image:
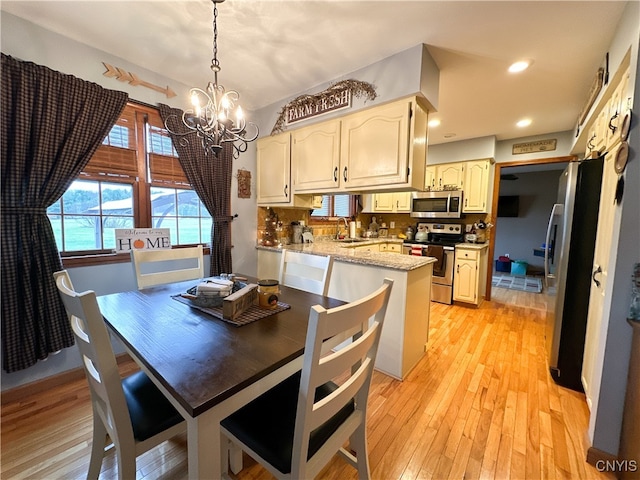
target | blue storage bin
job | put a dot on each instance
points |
(518, 267)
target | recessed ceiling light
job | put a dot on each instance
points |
(434, 123)
(525, 122)
(519, 66)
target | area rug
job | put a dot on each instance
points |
(517, 282)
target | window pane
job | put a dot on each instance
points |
(188, 203)
(82, 233)
(118, 137)
(324, 211)
(341, 206)
(205, 229)
(109, 226)
(188, 230)
(163, 201)
(82, 197)
(117, 199)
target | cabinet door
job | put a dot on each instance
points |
(617, 110)
(375, 146)
(591, 370)
(450, 174)
(274, 169)
(402, 202)
(315, 157)
(465, 285)
(383, 202)
(476, 186)
(430, 177)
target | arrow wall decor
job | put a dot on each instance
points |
(123, 76)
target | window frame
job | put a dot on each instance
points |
(141, 183)
(353, 211)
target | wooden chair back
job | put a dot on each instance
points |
(352, 364)
(132, 413)
(157, 267)
(98, 359)
(307, 272)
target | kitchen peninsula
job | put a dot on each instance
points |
(358, 271)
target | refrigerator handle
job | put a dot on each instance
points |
(556, 210)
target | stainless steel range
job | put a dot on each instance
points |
(438, 240)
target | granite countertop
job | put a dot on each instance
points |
(473, 246)
(347, 252)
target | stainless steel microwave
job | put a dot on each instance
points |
(440, 204)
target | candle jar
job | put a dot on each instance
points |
(268, 291)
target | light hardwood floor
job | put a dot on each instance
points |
(480, 404)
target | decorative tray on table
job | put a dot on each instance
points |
(233, 303)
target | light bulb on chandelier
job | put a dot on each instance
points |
(213, 110)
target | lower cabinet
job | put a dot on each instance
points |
(469, 278)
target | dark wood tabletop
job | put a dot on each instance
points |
(198, 358)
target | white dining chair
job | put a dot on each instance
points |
(307, 272)
(131, 412)
(295, 428)
(157, 267)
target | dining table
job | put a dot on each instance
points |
(206, 367)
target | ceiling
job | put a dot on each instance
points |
(272, 50)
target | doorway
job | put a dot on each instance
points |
(505, 171)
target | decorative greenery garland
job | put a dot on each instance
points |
(358, 89)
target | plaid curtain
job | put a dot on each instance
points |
(52, 124)
(210, 177)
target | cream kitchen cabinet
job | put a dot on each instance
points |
(469, 278)
(478, 186)
(384, 147)
(315, 158)
(618, 108)
(450, 174)
(274, 173)
(392, 202)
(391, 247)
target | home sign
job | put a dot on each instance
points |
(128, 239)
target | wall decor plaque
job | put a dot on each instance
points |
(536, 146)
(335, 97)
(128, 239)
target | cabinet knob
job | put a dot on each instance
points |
(335, 174)
(344, 174)
(286, 190)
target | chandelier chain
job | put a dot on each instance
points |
(216, 118)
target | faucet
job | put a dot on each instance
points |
(346, 224)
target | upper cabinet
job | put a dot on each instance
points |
(315, 157)
(380, 148)
(478, 186)
(445, 174)
(273, 157)
(390, 202)
(618, 109)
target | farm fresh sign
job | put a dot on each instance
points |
(142, 239)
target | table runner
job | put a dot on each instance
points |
(252, 314)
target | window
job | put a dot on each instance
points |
(336, 206)
(133, 180)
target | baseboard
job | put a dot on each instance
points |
(45, 384)
(603, 461)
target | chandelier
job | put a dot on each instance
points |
(215, 118)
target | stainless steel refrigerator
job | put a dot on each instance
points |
(569, 248)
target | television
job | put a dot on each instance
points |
(508, 205)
